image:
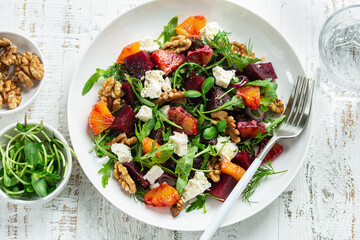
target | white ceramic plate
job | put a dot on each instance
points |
(24, 44)
(148, 20)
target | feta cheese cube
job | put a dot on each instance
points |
(228, 148)
(153, 84)
(210, 30)
(154, 173)
(148, 45)
(181, 139)
(166, 85)
(144, 114)
(223, 77)
(195, 186)
(122, 151)
(155, 185)
(165, 110)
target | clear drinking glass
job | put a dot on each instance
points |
(339, 47)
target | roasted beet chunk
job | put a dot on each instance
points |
(125, 120)
(274, 152)
(223, 188)
(215, 102)
(259, 71)
(182, 118)
(201, 56)
(194, 82)
(134, 169)
(139, 63)
(243, 159)
(156, 135)
(211, 141)
(250, 129)
(197, 163)
(130, 96)
(167, 61)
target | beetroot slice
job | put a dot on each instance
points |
(130, 96)
(274, 152)
(223, 188)
(215, 100)
(243, 159)
(134, 169)
(194, 82)
(260, 71)
(139, 63)
(125, 120)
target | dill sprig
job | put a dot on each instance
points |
(139, 194)
(261, 173)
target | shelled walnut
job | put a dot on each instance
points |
(177, 44)
(177, 208)
(10, 94)
(230, 129)
(8, 56)
(242, 49)
(172, 96)
(214, 164)
(4, 42)
(121, 138)
(278, 108)
(122, 174)
(111, 93)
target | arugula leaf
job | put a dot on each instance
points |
(199, 203)
(169, 29)
(229, 104)
(141, 99)
(183, 168)
(117, 71)
(242, 62)
(276, 122)
(146, 129)
(267, 86)
(106, 170)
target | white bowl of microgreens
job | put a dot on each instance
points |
(35, 162)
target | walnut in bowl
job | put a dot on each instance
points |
(22, 72)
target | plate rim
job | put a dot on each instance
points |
(309, 124)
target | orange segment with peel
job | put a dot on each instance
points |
(191, 26)
(232, 169)
(147, 144)
(100, 118)
(162, 196)
(250, 95)
(127, 51)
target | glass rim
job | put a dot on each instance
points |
(333, 76)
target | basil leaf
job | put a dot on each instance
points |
(183, 168)
(90, 83)
(31, 154)
(192, 94)
(210, 132)
(221, 125)
(40, 186)
(207, 85)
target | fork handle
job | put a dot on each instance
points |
(236, 192)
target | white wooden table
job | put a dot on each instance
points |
(321, 203)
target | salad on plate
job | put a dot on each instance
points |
(181, 118)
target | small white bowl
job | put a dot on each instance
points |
(24, 44)
(9, 130)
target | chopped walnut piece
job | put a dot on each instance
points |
(278, 108)
(122, 174)
(36, 68)
(231, 129)
(4, 68)
(214, 164)
(177, 44)
(4, 42)
(123, 139)
(24, 79)
(241, 48)
(10, 94)
(111, 93)
(8, 56)
(177, 208)
(172, 96)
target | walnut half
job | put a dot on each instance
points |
(172, 96)
(177, 44)
(278, 108)
(231, 129)
(122, 174)
(10, 94)
(123, 139)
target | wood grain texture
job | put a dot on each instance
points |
(321, 202)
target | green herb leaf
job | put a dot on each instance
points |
(199, 203)
(207, 85)
(40, 186)
(106, 170)
(183, 168)
(90, 83)
(275, 123)
(31, 154)
(210, 132)
(169, 29)
(141, 99)
(22, 128)
(229, 104)
(146, 129)
(221, 125)
(192, 94)
(242, 62)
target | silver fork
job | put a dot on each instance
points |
(297, 114)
